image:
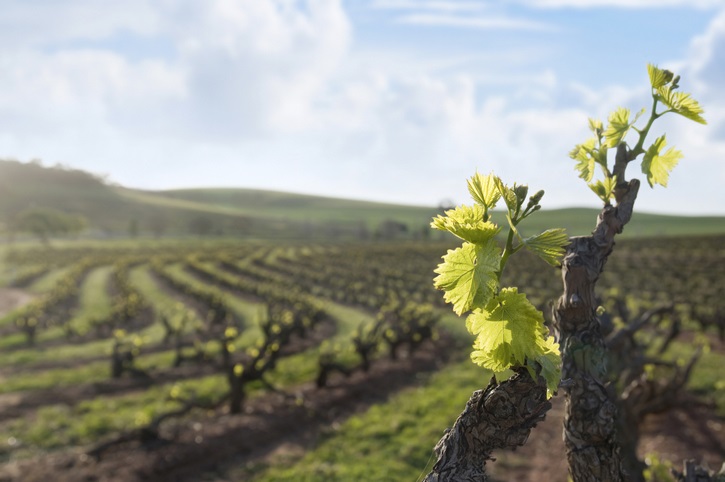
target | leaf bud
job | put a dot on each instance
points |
(521, 192)
(676, 82)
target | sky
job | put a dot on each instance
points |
(388, 100)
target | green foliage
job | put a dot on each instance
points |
(656, 164)
(605, 188)
(657, 470)
(506, 330)
(467, 222)
(548, 245)
(619, 125)
(45, 222)
(681, 103)
(509, 330)
(406, 426)
(484, 191)
(468, 275)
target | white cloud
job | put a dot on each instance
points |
(259, 66)
(440, 5)
(275, 94)
(626, 4)
(243, 68)
(480, 22)
(478, 15)
(48, 22)
(706, 61)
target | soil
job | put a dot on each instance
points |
(277, 425)
(206, 445)
(11, 298)
(695, 432)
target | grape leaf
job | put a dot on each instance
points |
(549, 245)
(658, 77)
(467, 223)
(657, 165)
(468, 274)
(497, 360)
(604, 189)
(681, 103)
(618, 127)
(483, 190)
(508, 195)
(584, 155)
(507, 330)
(596, 126)
(549, 358)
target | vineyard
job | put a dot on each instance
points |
(228, 361)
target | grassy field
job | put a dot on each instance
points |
(62, 401)
(114, 211)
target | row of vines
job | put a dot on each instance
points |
(179, 343)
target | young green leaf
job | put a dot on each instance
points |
(657, 165)
(618, 126)
(681, 103)
(507, 330)
(584, 155)
(596, 126)
(509, 196)
(549, 245)
(658, 77)
(468, 275)
(467, 223)
(483, 190)
(604, 189)
(549, 358)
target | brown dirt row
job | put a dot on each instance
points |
(688, 432)
(12, 298)
(205, 444)
(13, 405)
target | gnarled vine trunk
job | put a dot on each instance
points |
(590, 428)
(501, 416)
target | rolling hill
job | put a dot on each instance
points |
(112, 210)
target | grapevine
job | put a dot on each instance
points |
(510, 331)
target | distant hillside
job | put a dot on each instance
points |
(119, 211)
(295, 208)
(105, 207)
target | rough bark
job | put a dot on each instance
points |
(501, 416)
(590, 432)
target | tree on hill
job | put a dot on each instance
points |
(46, 222)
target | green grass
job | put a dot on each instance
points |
(707, 375)
(246, 310)
(94, 302)
(389, 442)
(56, 377)
(58, 425)
(30, 356)
(300, 207)
(47, 282)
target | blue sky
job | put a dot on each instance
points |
(390, 100)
